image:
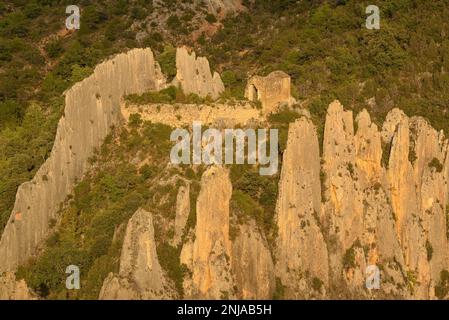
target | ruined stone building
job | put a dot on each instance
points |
(272, 91)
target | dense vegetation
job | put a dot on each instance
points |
(169, 95)
(329, 53)
(36, 66)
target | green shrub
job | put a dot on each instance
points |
(245, 205)
(281, 121)
(254, 196)
(284, 116)
(386, 150)
(279, 292)
(211, 18)
(167, 61)
(148, 172)
(317, 284)
(442, 289)
(135, 120)
(350, 255)
(169, 260)
(80, 73)
(412, 280)
(54, 48)
(436, 164)
(138, 13)
(173, 22)
(168, 95)
(429, 250)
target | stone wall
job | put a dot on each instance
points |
(181, 115)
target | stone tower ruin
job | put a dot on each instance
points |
(272, 91)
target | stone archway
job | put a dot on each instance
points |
(253, 93)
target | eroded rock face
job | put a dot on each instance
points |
(379, 239)
(252, 264)
(209, 256)
(11, 289)
(386, 213)
(374, 197)
(301, 253)
(182, 212)
(404, 198)
(431, 182)
(194, 75)
(140, 276)
(91, 108)
(343, 205)
(383, 205)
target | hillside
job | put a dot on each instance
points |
(357, 185)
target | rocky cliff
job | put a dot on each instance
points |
(390, 213)
(194, 75)
(140, 276)
(221, 267)
(375, 197)
(92, 107)
(301, 250)
(10, 289)
(208, 255)
(361, 195)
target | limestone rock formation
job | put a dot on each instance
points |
(377, 197)
(11, 289)
(419, 184)
(252, 264)
(374, 197)
(301, 253)
(383, 204)
(379, 239)
(140, 276)
(431, 183)
(387, 213)
(182, 213)
(343, 207)
(208, 257)
(194, 75)
(404, 200)
(272, 91)
(91, 108)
